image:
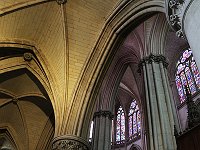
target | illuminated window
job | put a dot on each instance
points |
(187, 74)
(91, 131)
(120, 125)
(134, 120)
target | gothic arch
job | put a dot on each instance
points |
(108, 43)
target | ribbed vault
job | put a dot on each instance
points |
(26, 109)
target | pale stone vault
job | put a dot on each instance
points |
(63, 63)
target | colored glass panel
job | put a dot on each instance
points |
(190, 80)
(196, 74)
(138, 120)
(181, 67)
(186, 54)
(120, 125)
(134, 123)
(183, 79)
(187, 75)
(130, 121)
(134, 120)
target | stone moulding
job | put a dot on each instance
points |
(69, 142)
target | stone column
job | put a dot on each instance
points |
(183, 16)
(69, 142)
(159, 107)
(102, 130)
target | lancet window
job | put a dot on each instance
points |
(120, 125)
(134, 120)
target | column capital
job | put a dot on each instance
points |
(152, 58)
(70, 142)
(176, 10)
(104, 113)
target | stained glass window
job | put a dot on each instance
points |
(120, 126)
(134, 120)
(187, 74)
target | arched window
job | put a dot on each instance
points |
(120, 125)
(134, 120)
(187, 74)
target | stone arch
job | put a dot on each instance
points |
(108, 42)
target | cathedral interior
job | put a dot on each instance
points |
(99, 75)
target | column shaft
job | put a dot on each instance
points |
(102, 131)
(150, 134)
(159, 107)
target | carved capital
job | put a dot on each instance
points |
(104, 113)
(154, 58)
(61, 1)
(70, 142)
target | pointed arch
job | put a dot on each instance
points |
(124, 18)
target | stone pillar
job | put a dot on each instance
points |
(183, 16)
(69, 142)
(102, 130)
(159, 105)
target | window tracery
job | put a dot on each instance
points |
(134, 120)
(128, 126)
(187, 74)
(120, 125)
